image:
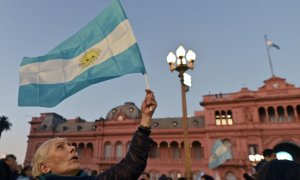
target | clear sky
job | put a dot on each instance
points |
(227, 36)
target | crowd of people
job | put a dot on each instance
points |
(56, 159)
(11, 170)
(272, 168)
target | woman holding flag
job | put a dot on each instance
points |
(57, 158)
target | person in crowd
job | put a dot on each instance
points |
(163, 177)
(145, 176)
(8, 167)
(280, 170)
(87, 171)
(26, 173)
(56, 159)
(248, 177)
(94, 172)
(182, 178)
(269, 154)
(18, 168)
(206, 177)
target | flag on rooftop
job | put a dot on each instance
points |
(271, 44)
(105, 48)
(220, 153)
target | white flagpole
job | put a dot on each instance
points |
(146, 79)
(269, 56)
(147, 85)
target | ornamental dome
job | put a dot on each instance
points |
(128, 110)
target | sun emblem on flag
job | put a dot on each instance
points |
(89, 57)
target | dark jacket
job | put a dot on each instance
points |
(260, 165)
(5, 172)
(130, 168)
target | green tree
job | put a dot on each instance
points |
(4, 124)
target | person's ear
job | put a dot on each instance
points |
(44, 168)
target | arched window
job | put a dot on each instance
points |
(262, 114)
(290, 113)
(163, 149)
(271, 113)
(119, 151)
(229, 118)
(223, 118)
(175, 150)
(281, 115)
(196, 150)
(154, 153)
(107, 151)
(217, 118)
(252, 149)
(181, 149)
(80, 149)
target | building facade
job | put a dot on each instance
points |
(246, 121)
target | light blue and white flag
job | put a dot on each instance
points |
(220, 153)
(105, 48)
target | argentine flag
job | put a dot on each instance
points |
(220, 153)
(104, 49)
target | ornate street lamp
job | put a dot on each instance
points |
(181, 63)
(255, 158)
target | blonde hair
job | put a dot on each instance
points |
(41, 155)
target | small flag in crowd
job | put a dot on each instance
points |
(220, 153)
(105, 48)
